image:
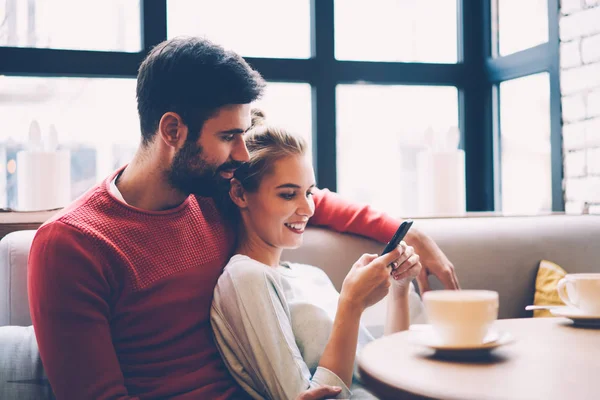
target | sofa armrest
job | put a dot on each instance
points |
(14, 302)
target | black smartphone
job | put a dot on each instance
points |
(398, 236)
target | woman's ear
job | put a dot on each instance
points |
(237, 193)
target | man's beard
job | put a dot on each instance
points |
(191, 174)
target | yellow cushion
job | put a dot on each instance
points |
(545, 287)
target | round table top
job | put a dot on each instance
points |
(549, 359)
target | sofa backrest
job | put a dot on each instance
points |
(492, 253)
(495, 253)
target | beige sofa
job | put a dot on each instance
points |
(497, 253)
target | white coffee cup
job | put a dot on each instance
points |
(581, 291)
(461, 317)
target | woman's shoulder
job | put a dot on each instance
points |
(305, 270)
(245, 269)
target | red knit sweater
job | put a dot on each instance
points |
(120, 297)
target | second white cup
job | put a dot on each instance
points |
(461, 317)
(581, 291)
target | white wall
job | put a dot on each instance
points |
(580, 89)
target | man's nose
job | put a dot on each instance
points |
(241, 151)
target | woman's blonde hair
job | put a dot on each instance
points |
(266, 144)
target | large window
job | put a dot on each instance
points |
(369, 85)
(513, 16)
(526, 183)
(393, 30)
(381, 131)
(524, 74)
(289, 105)
(257, 28)
(95, 119)
(107, 25)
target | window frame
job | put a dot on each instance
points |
(476, 75)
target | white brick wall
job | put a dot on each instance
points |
(594, 189)
(575, 80)
(574, 136)
(574, 207)
(574, 164)
(573, 108)
(579, 24)
(593, 104)
(580, 87)
(592, 133)
(569, 6)
(590, 48)
(587, 188)
(570, 54)
(593, 161)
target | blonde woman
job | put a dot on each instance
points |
(283, 328)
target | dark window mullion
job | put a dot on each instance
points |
(283, 69)
(72, 63)
(494, 42)
(323, 93)
(497, 146)
(477, 110)
(523, 63)
(556, 155)
(398, 73)
(153, 23)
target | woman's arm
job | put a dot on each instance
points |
(398, 312)
(252, 327)
(367, 282)
(339, 354)
(68, 297)
(341, 215)
(406, 268)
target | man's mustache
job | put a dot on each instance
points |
(229, 166)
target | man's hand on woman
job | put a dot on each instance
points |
(433, 260)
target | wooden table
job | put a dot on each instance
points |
(549, 359)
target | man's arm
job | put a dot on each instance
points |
(332, 211)
(69, 290)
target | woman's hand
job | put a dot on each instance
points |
(406, 267)
(369, 279)
(319, 393)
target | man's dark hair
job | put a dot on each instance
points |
(192, 77)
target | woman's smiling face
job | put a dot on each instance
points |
(278, 211)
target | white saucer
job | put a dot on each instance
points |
(426, 337)
(577, 316)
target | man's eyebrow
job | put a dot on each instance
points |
(232, 131)
(292, 186)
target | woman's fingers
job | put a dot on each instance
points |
(406, 252)
(387, 259)
(411, 273)
(408, 266)
(365, 259)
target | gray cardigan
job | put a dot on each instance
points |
(271, 326)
